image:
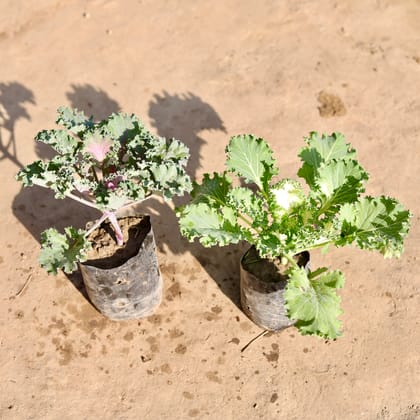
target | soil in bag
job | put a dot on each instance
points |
(270, 270)
(105, 252)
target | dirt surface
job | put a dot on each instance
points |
(203, 71)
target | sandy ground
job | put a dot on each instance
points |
(202, 71)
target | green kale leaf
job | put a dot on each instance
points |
(313, 302)
(63, 251)
(380, 223)
(251, 158)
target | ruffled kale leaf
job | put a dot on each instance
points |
(251, 158)
(331, 171)
(63, 251)
(73, 120)
(313, 303)
(379, 223)
(212, 226)
(320, 150)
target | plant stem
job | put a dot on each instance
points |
(114, 222)
(291, 260)
(107, 214)
(94, 173)
(265, 195)
(73, 197)
(249, 223)
(82, 200)
(322, 210)
(316, 246)
(245, 220)
(96, 224)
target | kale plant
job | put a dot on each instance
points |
(108, 165)
(281, 220)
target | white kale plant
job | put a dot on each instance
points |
(281, 220)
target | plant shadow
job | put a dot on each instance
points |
(92, 101)
(14, 98)
(185, 117)
(35, 207)
(181, 116)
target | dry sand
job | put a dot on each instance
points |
(202, 71)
